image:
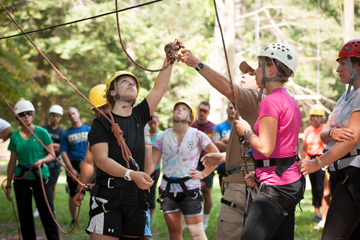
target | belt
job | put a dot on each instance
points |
(281, 163)
(113, 182)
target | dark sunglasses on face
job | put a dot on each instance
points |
(203, 111)
(25, 113)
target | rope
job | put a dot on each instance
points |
(80, 20)
(169, 48)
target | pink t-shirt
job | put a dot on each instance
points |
(280, 105)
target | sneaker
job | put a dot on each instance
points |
(320, 225)
(36, 212)
(316, 219)
(72, 224)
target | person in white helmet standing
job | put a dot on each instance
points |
(55, 114)
(26, 151)
(274, 146)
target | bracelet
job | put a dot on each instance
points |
(330, 133)
(251, 138)
(319, 161)
(203, 175)
(246, 132)
(8, 187)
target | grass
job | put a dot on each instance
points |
(303, 229)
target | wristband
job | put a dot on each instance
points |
(330, 133)
(319, 161)
(8, 187)
(81, 191)
(246, 132)
(203, 175)
(251, 138)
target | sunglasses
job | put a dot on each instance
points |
(203, 111)
(25, 113)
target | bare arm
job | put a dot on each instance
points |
(210, 148)
(155, 159)
(216, 80)
(56, 147)
(10, 173)
(211, 159)
(161, 84)
(216, 138)
(148, 161)
(265, 142)
(303, 150)
(100, 152)
(4, 133)
(48, 158)
(338, 150)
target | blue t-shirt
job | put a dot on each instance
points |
(74, 142)
(224, 130)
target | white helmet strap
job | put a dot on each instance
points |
(266, 79)
(352, 79)
(117, 97)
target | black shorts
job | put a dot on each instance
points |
(155, 177)
(186, 204)
(72, 185)
(54, 170)
(128, 220)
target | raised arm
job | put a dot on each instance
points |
(216, 80)
(161, 83)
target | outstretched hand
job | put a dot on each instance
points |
(188, 58)
(212, 159)
(308, 166)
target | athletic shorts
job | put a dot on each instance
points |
(72, 185)
(148, 224)
(186, 204)
(128, 220)
(209, 180)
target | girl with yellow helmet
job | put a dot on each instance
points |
(119, 197)
(179, 191)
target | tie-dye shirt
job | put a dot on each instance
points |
(179, 159)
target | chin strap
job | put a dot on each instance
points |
(117, 97)
(182, 121)
(352, 79)
(266, 79)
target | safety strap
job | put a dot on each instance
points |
(25, 169)
(240, 168)
(236, 206)
(282, 163)
(113, 182)
(352, 79)
(266, 79)
(193, 193)
(353, 187)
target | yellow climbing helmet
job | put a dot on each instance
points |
(189, 105)
(115, 76)
(317, 109)
(97, 95)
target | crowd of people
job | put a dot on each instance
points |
(255, 153)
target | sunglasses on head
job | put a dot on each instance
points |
(25, 113)
(203, 110)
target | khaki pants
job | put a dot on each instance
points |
(230, 222)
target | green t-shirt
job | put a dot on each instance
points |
(30, 151)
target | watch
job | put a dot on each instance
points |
(200, 66)
(127, 175)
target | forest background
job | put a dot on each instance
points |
(88, 52)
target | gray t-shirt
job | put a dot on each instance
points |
(3, 124)
(340, 118)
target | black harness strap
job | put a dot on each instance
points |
(25, 169)
(240, 168)
(237, 206)
(281, 163)
(181, 181)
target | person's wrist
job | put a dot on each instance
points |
(319, 161)
(331, 132)
(203, 175)
(8, 187)
(246, 132)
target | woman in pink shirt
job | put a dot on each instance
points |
(274, 147)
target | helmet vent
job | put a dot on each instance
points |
(356, 45)
(289, 56)
(347, 48)
(266, 48)
(272, 53)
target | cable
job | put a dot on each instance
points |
(80, 20)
